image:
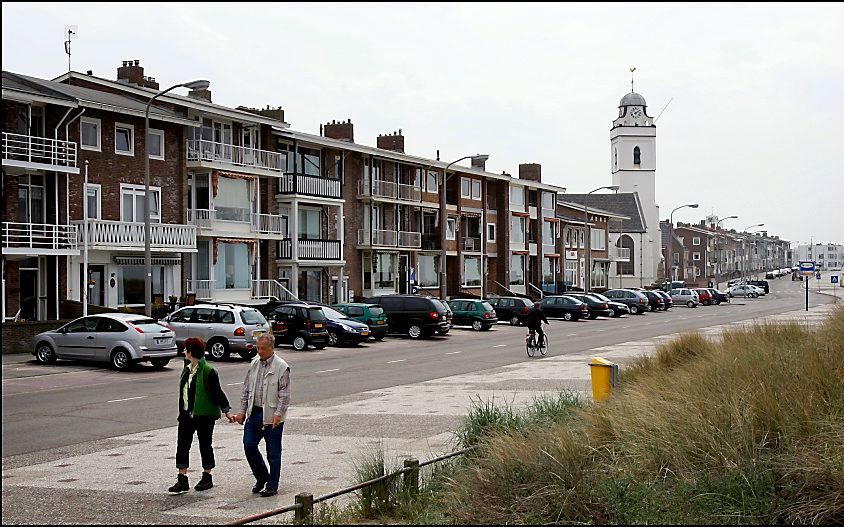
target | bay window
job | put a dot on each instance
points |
(517, 269)
(471, 272)
(233, 267)
(232, 201)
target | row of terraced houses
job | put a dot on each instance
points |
(244, 208)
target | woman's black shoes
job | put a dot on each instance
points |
(181, 485)
(205, 483)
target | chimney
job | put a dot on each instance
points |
(342, 131)
(272, 113)
(204, 94)
(530, 172)
(131, 72)
(394, 142)
(480, 164)
(149, 82)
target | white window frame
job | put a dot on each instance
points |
(436, 178)
(696, 257)
(468, 183)
(696, 240)
(480, 279)
(521, 192)
(490, 234)
(139, 189)
(131, 129)
(99, 124)
(451, 226)
(476, 184)
(98, 188)
(156, 131)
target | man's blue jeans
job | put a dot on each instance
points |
(253, 432)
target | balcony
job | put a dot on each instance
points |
(39, 239)
(389, 190)
(471, 244)
(267, 224)
(308, 185)
(409, 192)
(410, 239)
(311, 249)
(378, 237)
(202, 152)
(39, 153)
(122, 235)
(430, 242)
(206, 219)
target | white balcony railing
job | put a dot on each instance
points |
(409, 192)
(54, 154)
(202, 218)
(378, 237)
(271, 289)
(210, 151)
(267, 223)
(32, 237)
(202, 288)
(378, 189)
(410, 239)
(310, 185)
(121, 234)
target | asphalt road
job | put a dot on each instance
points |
(48, 407)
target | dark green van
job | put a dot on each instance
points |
(370, 314)
(476, 313)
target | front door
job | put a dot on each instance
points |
(28, 293)
(403, 276)
(96, 285)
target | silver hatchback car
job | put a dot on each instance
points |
(685, 296)
(225, 328)
(121, 339)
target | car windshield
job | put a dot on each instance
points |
(316, 314)
(334, 315)
(376, 311)
(600, 297)
(252, 316)
(148, 325)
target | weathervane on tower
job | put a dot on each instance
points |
(631, 78)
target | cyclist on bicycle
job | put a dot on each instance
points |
(534, 322)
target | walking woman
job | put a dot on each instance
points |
(201, 402)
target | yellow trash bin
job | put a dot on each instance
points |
(604, 377)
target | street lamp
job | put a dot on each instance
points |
(744, 249)
(193, 85)
(671, 241)
(718, 256)
(586, 272)
(444, 217)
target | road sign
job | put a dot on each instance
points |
(833, 279)
(818, 275)
(807, 268)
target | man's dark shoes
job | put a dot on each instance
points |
(258, 487)
(181, 485)
(266, 493)
(205, 483)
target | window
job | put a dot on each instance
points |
(132, 199)
(94, 200)
(130, 283)
(517, 230)
(465, 188)
(183, 315)
(155, 143)
(472, 272)
(428, 272)
(225, 317)
(232, 268)
(490, 232)
(549, 271)
(598, 239)
(517, 269)
(570, 276)
(233, 201)
(696, 240)
(89, 133)
(124, 139)
(637, 156)
(626, 268)
(547, 201)
(451, 229)
(571, 240)
(548, 234)
(581, 233)
(517, 197)
(695, 256)
(476, 189)
(433, 177)
(384, 275)
(83, 325)
(309, 224)
(355, 311)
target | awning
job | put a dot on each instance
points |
(520, 214)
(156, 260)
(552, 255)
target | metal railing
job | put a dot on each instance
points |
(204, 150)
(378, 189)
(410, 239)
(538, 290)
(378, 237)
(310, 185)
(202, 218)
(311, 249)
(271, 289)
(39, 236)
(472, 244)
(409, 192)
(108, 233)
(202, 288)
(267, 223)
(42, 150)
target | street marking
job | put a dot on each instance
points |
(499, 346)
(127, 399)
(326, 371)
(234, 383)
(392, 361)
(622, 327)
(454, 352)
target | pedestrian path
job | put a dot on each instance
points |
(322, 440)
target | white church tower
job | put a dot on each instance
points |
(633, 162)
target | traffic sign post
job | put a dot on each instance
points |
(807, 269)
(834, 280)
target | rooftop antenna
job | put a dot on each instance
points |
(72, 33)
(631, 78)
(663, 109)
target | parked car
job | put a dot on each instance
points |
(514, 309)
(596, 306)
(685, 296)
(745, 290)
(718, 296)
(761, 283)
(120, 339)
(635, 300)
(617, 308)
(297, 323)
(225, 328)
(370, 314)
(342, 329)
(655, 302)
(564, 307)
(417, 316)
(666, 299)
(470, 312)
(449, 316)
(669, 285)
(704, 295)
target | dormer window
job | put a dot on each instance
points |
(637, 156)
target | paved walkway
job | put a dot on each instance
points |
(322, 440)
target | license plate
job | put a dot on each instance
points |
(380, 322)
(162, 341)
(256, 334)
(364, 333)
(318, 326)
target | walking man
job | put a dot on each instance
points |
(263, 406)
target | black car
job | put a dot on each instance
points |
(618, 308)
(342, 329)
(761, 283)
(417, 316)
(597, 307)
(514, 309)
(655, 301)
(297, 323)
(564, 307)
(449, 315)
(666, 299)
(636, 301)
(718, 296)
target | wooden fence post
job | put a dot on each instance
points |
(307, 509)
(411, 477)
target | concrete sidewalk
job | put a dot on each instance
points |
(322, 440)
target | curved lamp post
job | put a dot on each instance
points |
(587, 275)
(744, 249)
(193, 85)
(444, 217)
(671, 242)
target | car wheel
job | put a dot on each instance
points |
(299, 343)
(120, 359)
(514, 321)
(690, 303)
(414, 331)
(716, 301)
(159, 363)
(248, 355)
(218, 349)
(567, 316)
(634, 310)
(477, 325)
(44, 353)
(332, 338)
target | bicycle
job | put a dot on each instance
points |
(531, 346)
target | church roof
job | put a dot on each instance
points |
(625, 204)
(632, 99)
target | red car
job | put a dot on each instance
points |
(704, 295)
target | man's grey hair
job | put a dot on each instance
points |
(266, 336)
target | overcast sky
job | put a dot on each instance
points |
(755, 128)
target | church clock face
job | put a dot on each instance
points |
(636, 112)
